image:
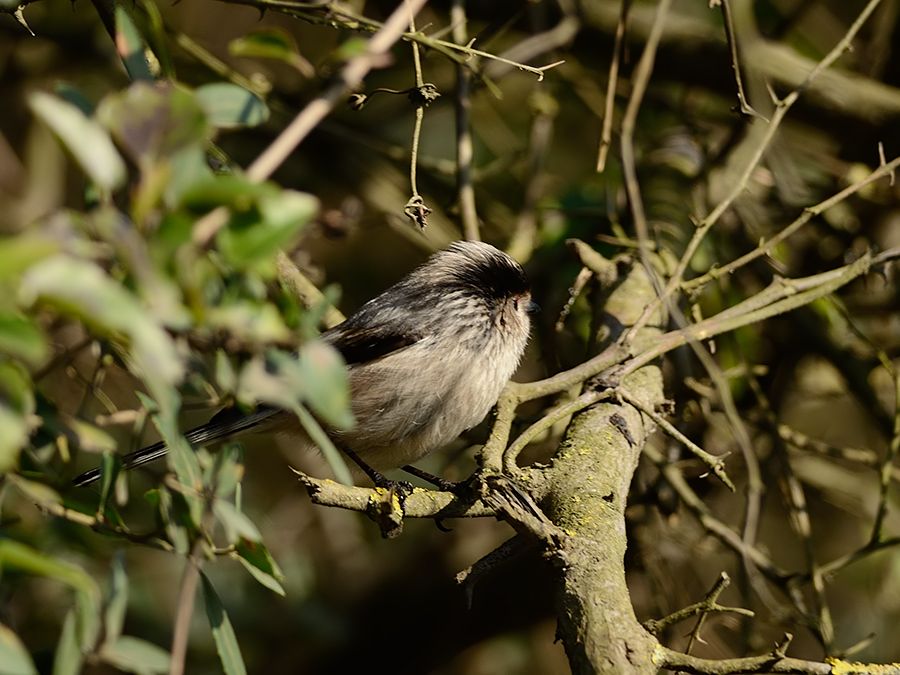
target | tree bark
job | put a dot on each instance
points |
(586, 498)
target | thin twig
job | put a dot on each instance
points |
(465, 191)
(331, 13)
(810, 212)
(187, 594)
(888, 466)
(701, 511)
(416, 209)
(305, 290)
(782, 296)
(801, 523)
(721, 584)
(524, 239)
(715, 464)
(708, 605)
(550, 418)
(743, 105)
(640, 80)
(612, 79)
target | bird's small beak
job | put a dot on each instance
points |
(531, 307)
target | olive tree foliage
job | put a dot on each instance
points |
(123, 278)
(677, 306)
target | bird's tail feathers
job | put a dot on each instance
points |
(224, 424)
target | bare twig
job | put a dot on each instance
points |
(795, 497)
(743, 105)
(629, 121)
(524, 239)
(416, 209)
(187, 594)
(341, 14)
(305, 290)
(773, 662)
(508, 550)
(888, 466)
(715, 464)
(553, 416)
(766, 247)
(710, 522)
(464, 188)
(612, 79)
(709, 604)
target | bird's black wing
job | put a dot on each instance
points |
(362, 344)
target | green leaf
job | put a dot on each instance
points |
(332, 455)
(20, 337)
(14, 659)
(68, 657)
(276, 380)
(223, 632)
(231, 190)
(175, 518)
(16, 388)
(187, 167)
(249, 321)
(249, 241)
(257, 560)
(288, 209)
(157, 38)
(89, 437)
(134, 655)
(88, 142)
(116, 606)
(355, 46)
(39, 493)
(154, 121)
(87, 593)
(271, 43)
(71, 94)
(327, 383)
(19, 253)
(183, 461)
(130, 46)
(109, 467)
(17, 406)
(226, 377)
(13, 437)
(228, 105)
(227, 469)
(84, 290)
(237, 525)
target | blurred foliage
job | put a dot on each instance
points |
(124, 124)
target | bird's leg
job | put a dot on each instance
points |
(387, 510)
(401, 487)
(437, 481)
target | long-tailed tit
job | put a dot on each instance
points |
(427, 360)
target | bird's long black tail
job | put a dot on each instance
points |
(226, 423)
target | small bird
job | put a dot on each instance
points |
(426, 359)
